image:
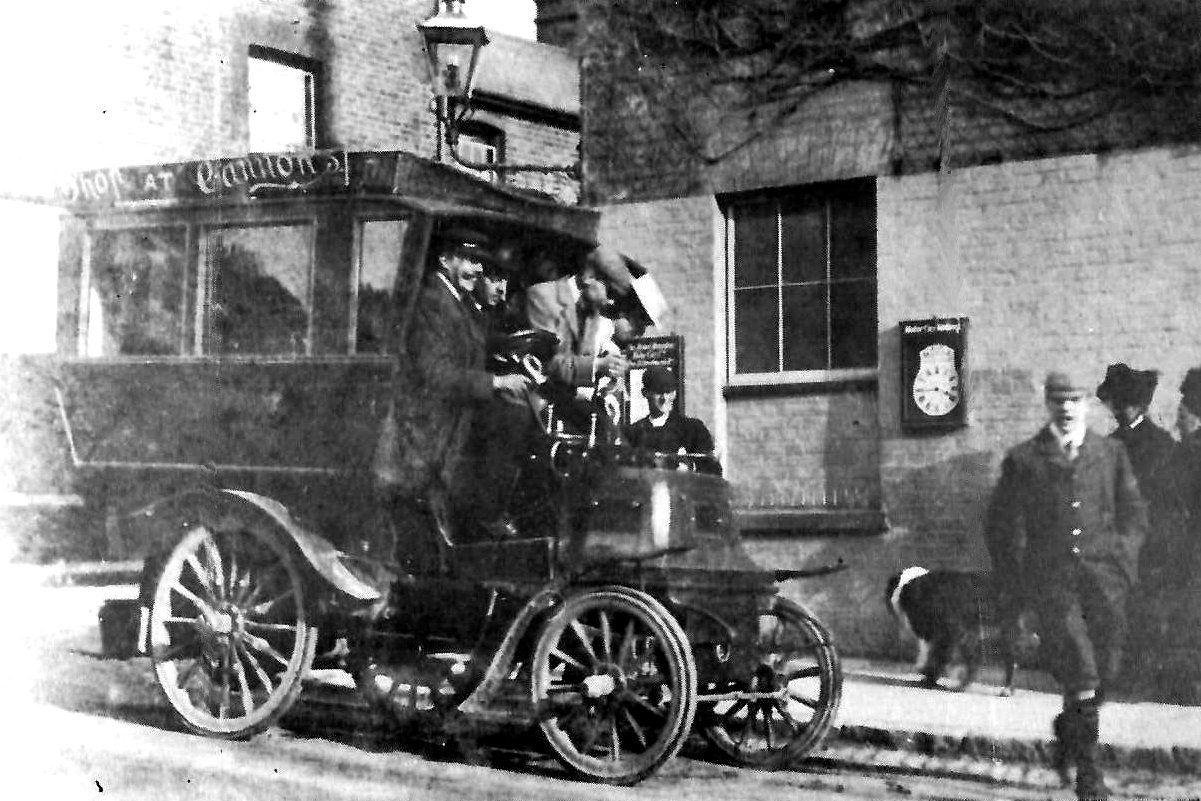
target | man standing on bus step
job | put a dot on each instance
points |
(1064, 528)
(440, 383)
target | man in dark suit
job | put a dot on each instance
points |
(1127, 394)
(664, 429)
(1065, 525)
(439, 386)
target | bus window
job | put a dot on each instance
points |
(135, 292)
(378, 257)
(259, 289)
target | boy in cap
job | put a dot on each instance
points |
(1065, 524)
(664, 429)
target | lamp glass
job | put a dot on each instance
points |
(452, 49)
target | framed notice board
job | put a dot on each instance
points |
(933, 374)
(667, 351)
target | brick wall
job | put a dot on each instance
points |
(1078, 260)
(168, 83)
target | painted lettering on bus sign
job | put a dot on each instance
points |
(263, 171)
(249, 175)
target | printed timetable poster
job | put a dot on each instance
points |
(666, 351)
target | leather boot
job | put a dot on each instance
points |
(1086, 722)
(1062, 759)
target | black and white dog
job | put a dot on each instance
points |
(955, 613)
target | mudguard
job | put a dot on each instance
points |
(316, 551)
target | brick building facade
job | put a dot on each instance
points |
(1068, 249)
(154, 83)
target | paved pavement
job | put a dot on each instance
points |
(883, 706)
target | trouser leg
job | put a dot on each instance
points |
(1082, 729)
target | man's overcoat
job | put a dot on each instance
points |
(438, 383)
(1049, 514)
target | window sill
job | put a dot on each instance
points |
(832, 383)
(800, 520)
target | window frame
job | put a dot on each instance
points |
(493, 137)
(314, 85)
(204, 283)
(356, 273)
(185, 344)
(781, 377)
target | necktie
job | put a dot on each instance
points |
(1071, 450)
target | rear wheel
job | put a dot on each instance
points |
(793, 693)
(230, 638)
(615, 685)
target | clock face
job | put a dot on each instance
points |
(936, 384)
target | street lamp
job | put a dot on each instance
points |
(452, 49)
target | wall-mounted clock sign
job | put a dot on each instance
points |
(933, 380)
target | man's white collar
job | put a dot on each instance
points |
(450, 286)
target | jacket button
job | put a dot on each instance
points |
(1075, 504)
(1075, 550)
(1075, 532)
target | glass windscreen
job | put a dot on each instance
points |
(135, 292)
(259, 289)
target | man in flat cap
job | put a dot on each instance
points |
(1065, 525)
(1127, 394)
(665, 429)
(440, 384)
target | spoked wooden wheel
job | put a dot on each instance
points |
(229, 636)
(790, 700)
(615, 685)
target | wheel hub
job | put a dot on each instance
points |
(599, 686)
(222, 623)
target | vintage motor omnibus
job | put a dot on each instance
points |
(227, 336)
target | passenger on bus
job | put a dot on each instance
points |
(571, 307)
(665, 429)
(440, 385)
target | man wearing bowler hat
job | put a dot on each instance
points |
(664, 429)
(1064, 526)
(1127, 394)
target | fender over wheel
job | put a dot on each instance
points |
(789, 703)
(614, 683)
(230, 636)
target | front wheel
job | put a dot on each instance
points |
(781, 712)
(615, 685)
(230, 639)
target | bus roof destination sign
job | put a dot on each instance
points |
(249, 176)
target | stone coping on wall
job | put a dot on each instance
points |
(807, 520)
